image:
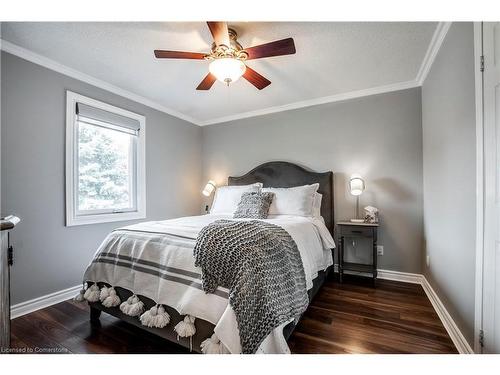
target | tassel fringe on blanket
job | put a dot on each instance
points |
(92, 293)
(80, 296)
(112, 299)
(133, 306)
(104, 293)
(156, 316)
(107, 296)
(186, 328)
(212, 345)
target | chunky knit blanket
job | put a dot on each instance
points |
(261, 266)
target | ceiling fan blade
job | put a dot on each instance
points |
(219, 32)
(276, 48)
(256, 79)
(207, 82)
(161, 54)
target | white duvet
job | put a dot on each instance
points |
(310, 234)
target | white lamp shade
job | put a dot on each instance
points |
(356, 185)
(209, 188)
(227, 69)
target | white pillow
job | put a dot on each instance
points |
(316, 212)
(296, 201)
(226, 198)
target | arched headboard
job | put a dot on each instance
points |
(285, 174)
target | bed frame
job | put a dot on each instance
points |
(271, 174)
(285, 174)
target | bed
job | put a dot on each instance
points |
(178, 288)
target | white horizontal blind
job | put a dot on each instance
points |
(100, 117)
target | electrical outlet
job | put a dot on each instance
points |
(380, 250)
(428, 260)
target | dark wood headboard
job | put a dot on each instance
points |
(285, 174)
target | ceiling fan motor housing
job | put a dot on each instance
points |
(234, 50)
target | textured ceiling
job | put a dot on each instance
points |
(332, 58)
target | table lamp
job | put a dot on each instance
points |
(356, 187)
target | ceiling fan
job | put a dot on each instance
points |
(227, 57)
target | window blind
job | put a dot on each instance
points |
(100, 117)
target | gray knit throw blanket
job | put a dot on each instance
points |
(261, 266)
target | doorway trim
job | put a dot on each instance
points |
(478, 308)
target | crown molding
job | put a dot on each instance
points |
(317, 101)
(434, 46)
(73, 73)
(432, 51)
(430, 55)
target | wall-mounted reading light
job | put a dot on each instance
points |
(209, 188)
(207, 191)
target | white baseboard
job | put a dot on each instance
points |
(449, 324)
(405, 277)
(35, 304)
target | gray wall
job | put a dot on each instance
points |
(448, 120)
(49, 256)
(379, 137)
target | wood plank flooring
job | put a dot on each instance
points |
(352, 317)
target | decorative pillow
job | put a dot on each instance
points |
(254, 205)
(297, 201)
(226, 198)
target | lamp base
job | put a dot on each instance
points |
(357, 220)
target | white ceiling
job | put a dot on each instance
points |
(332, 58)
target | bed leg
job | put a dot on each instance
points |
(94, 315)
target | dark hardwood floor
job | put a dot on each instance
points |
(352, 317)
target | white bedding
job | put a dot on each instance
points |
(310, 234)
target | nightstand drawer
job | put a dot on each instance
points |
(356, 231)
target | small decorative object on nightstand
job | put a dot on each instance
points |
(356, 187)
(371, 214)
(352, 230)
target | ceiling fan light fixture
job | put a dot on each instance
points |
(227, 69)
(227, 57)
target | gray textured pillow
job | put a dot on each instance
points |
(254, 205)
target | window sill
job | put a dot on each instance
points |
(104, 218)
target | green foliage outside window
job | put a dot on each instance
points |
(104, 170)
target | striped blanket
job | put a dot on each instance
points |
(160, 256)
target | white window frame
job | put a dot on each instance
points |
(72, 215)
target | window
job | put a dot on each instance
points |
(105, 161)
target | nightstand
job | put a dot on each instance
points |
(348, 229)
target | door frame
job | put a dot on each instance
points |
(480, 176)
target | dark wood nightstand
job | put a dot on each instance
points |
(347, 229)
